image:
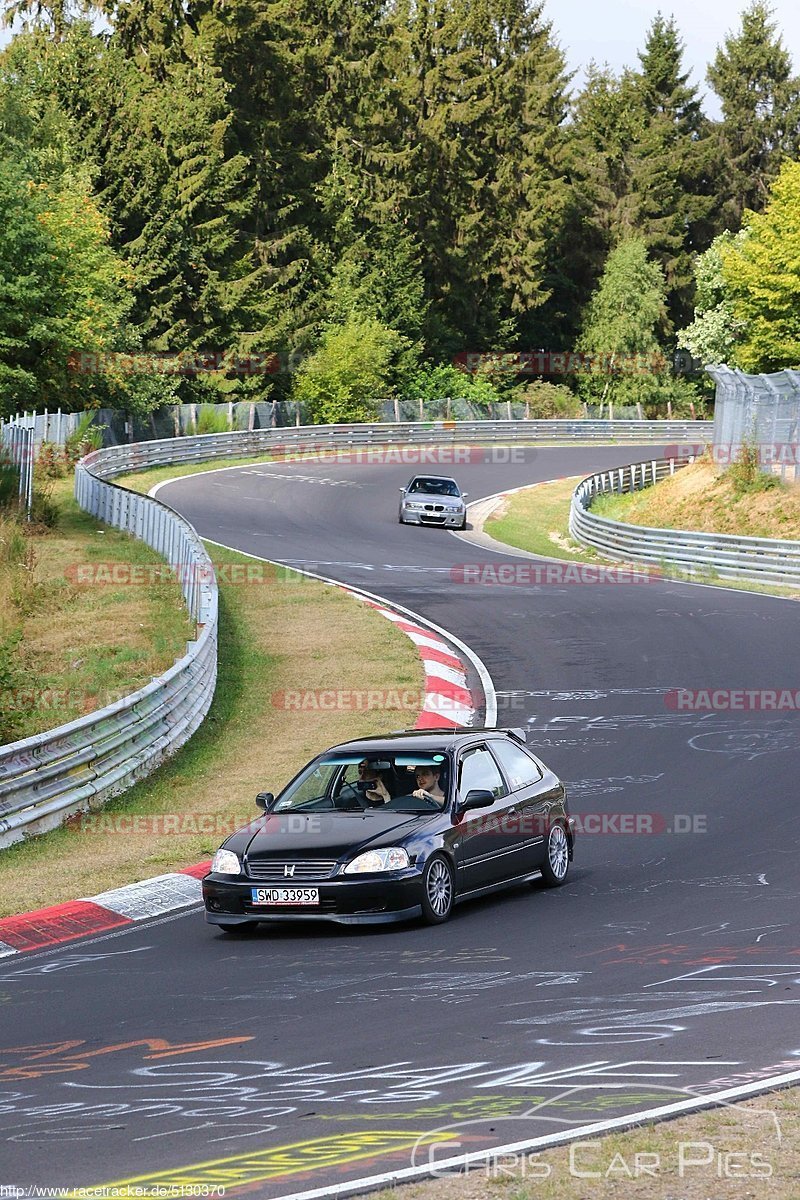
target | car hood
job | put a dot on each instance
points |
(429, 497)
(325, 835)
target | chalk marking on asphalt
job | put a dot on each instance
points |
(458, 1163)
(240, 1170)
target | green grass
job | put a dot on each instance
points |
(73, 647)
(281, 631)
(746, 1160)
(537, 520)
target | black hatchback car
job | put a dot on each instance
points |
(391, 828)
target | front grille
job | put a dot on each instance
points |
(434, 508)
(272, 869)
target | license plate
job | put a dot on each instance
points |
(293, 895)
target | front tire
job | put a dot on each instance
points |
(438, 890)
(556, 863)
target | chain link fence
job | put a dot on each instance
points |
(759, 412)
(187, 420)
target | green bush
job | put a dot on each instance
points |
(746, 473)
(44, 510)
(9, 484)
(50, 461)
(83, 440)
(209, 420)
(353, 368)
(544, 401)
(439, 381)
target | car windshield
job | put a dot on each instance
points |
(377, 781)
(434, 487)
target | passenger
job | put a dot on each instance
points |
(377, 792)
(428, 786)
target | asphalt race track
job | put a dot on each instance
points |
(667, 967)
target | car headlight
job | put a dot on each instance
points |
(371, 861)
(226, 863)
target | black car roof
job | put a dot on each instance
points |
(426, 739)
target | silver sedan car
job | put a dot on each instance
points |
(433, 500)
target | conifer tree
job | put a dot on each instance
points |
(621, 328)
(760, 96)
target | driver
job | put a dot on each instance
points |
(376, 792)
(428, 786)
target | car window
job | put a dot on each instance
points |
(479, 770)
(312, 785)
(435, 487)
(519, 767)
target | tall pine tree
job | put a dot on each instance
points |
(760, 96)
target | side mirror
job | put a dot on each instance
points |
(477, 798)
(264, 799)
(464, 495)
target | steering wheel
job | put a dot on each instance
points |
(429, 800)
(354, 794)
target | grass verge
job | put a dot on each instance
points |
(279, 632)
(703, 497)
(746, 1151)
(537, 520)
(68, 647)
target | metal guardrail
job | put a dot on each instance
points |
(265, 417)
(48, 777)
(316, 439)
(766, 560)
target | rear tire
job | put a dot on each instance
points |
(438, 890)
(556, 864)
